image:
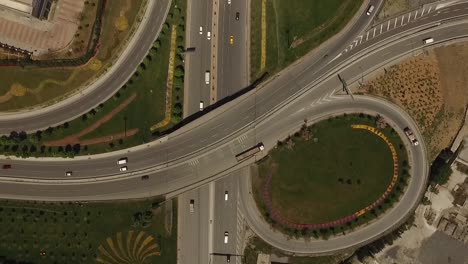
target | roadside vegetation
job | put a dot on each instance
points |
(126, 119)
(256, 246)
(65, 232)
(46, 85)
(431, 88)
(293, 28)
(309, 168)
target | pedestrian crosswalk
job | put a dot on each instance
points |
(389, 25)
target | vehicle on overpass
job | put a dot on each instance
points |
(250, 152)
(122, 161)
(192, 205)
(428, 40)
(369, 10)
(411, 136)
(207, 77)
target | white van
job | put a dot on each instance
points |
(208, 35)
(369, 10)
(428, 40)
(226, 237)
(207, 77)
(201, 105)
(122, 161)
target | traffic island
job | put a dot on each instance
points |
(332, 176)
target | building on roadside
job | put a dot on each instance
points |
(37, 8)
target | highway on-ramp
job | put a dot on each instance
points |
(188, 154)
(204, 149)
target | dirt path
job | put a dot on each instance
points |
(75, 138)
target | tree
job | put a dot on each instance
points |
(76, 148)
(177, 108)
(14, 135)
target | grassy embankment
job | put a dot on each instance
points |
(293, 28)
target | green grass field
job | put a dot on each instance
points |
(294, 28)
(51, 79)
(356, 164)
(50, 233)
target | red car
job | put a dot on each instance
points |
(6, 166)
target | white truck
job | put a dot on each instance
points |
(411, 136)
(428, 40)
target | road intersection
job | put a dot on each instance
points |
(204, 149)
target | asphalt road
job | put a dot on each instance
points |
(218, 134)
(211, 134)
(199, 61)
(417, 184)
(232, 58)
(193, 227)
(205, 148)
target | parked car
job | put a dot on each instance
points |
(68, 173)
(124, 168)
(145, 177)
(6, 166)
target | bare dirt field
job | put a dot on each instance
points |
(432, 88)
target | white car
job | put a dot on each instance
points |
(208, 35)
(201, 30)
(68, 173)
(226, 196)
(226, 237)
(229, 2)
(124, 168)
(202, 105)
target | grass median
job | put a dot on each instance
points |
(308, 171)
(66, 232)
(293, 28)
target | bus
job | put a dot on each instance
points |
(250, 152)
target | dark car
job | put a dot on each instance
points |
(6, 166)
(237, 15)
(145, 177)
